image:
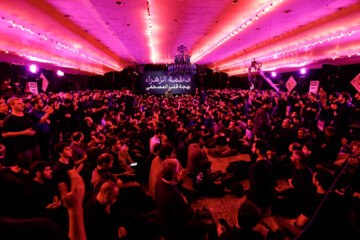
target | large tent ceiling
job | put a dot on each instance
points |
(99, 36)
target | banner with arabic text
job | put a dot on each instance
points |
(158, 82)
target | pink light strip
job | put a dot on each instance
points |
(150, 33)
(55, 62)
(295, 63)
(285, 51)
(262, 11)
(60, 45)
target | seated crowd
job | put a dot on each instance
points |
(111, 164)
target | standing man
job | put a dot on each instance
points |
(260, 176)
(342, 115)
(261, 183)
(19, 128)
(155, 139)
(261, 120)
(4, 111)
(42, 126)
(310, 112)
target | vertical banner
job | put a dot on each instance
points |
(290, 84)
(314, 87)
(45, 82)
(31, 87)
(356, 82)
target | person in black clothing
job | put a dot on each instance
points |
(262, 120)
(260, 175)
(310, 111)
(4, 111)
(292, 198)
(63, 164)
(39, 195)
(330, 147)
(330, 221)
(42, 126)
(261, 183)
(98, 108)
(129, 103)
(247, 218)
(19, 129)
(100, 222)
(67, 117)
(283, 136)
(295, 103)
(12, 186)
(43, 228)
(342, 116)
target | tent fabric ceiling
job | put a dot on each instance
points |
(99, 36)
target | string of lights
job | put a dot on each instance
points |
(294, 48)
(262, 11)
(58, 43)
(150, 33)
(268, 66)
(57, 62)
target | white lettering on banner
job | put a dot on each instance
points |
(176, 86)
(164, 79)
(180, 80)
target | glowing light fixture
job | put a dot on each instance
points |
(303, 71)
(60, 73)
(33, 68)
(273, 74)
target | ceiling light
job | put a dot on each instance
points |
(33, 68)
(60, 73)
(303, 71)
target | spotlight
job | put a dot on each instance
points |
(273, 74)
(60, 73)
(33, 68)
(303, 71)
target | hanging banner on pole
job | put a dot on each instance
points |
(314, 87)
(291, 84)
(356, 82)
(45, 82)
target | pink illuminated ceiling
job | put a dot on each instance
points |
(99, 36)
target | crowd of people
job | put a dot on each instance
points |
(110, 164)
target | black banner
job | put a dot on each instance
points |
(158, 82)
